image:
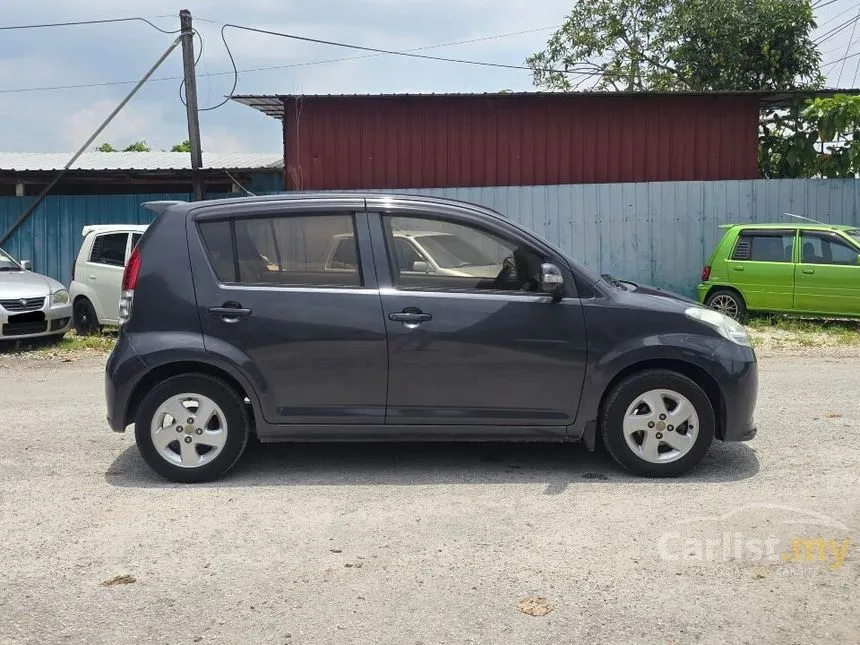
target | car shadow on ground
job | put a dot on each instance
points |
(342, 464)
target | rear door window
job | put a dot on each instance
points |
(764, 246)
(109, 249)
(289, 250)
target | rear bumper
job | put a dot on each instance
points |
(702, 291)
(738, 381)
(123, 370)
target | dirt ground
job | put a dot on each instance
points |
(412, 544)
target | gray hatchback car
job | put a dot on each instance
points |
(300, 318)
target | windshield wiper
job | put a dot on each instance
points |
(614, 282)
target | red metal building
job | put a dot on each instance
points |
(514, 139)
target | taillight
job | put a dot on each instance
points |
(129, 282)
(129, 276)
(706, 274)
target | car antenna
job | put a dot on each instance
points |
(808, 219)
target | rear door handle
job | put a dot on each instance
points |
(410, 316)
(808, 271)
(738, 268)
(230, 312)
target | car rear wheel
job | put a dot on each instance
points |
(86, 320)
(657, 423)
(727, 302)
(191, 428)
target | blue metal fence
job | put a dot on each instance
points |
(656, 233)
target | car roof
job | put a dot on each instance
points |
(785, 225)
(113, 228)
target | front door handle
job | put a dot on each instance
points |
(738, 267)
(808, 271)
(410, 317)
(230, 312)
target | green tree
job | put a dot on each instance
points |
(696, 45)
(185, 146)
(106, 147)
(138, 146)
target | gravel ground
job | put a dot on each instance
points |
(428, 543)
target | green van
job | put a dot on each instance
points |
(784, 268)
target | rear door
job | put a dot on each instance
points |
(827, 276)
(761, 266)
(310, 338)
(103, 272)
(475, 343)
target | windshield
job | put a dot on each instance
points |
(451, 252)
(7, 263)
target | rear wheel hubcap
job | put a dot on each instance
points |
(189, 430)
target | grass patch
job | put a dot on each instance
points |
(70, 345)
(807, 332)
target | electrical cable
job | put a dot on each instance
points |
(75, 23)
(273, 67)
(848, 48)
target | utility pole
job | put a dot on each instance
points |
(187, 35)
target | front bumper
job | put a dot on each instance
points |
(737, 377)
(35, 321)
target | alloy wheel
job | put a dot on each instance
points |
(661, 426)
(189, 430)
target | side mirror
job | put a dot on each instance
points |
(551, 279)
(421, 267)
(26, 265)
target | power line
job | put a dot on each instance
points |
(76, 23)
(830, 34)
(392, 52)
(848, 48)
(836, 16)
(819, 5)
(839, 60)
(275, 67)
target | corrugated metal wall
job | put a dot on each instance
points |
(389, 142)
(656, 233)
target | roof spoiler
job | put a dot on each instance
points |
(159, 207)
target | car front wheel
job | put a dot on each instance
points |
(657, 423)
(191, 428)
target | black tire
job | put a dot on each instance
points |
(86, 320)
(624, 395)
(729, 302)
(224, 397)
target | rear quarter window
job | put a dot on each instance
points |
(764, 246)
(218, 240)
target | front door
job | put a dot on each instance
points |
(761, 267)
(471, 339)
(310, 338)
(828, 276)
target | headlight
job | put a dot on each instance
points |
(60, 297)
(727, 327)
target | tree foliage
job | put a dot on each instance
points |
(821, 139)
(138, 146)
(106, 147)
(185, 146)
(696, 45)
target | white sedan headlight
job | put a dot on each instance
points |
(60, 297)
(727, 327)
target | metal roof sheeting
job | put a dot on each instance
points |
(273, 104)
(138, 161)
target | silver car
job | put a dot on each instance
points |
(31, 305)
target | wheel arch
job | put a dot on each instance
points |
(695, 373)
(186, 367)
(724, 287)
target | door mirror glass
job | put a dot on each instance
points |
(421, 267)
(551, 278)
(26, 265)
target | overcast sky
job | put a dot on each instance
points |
(62, 119)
